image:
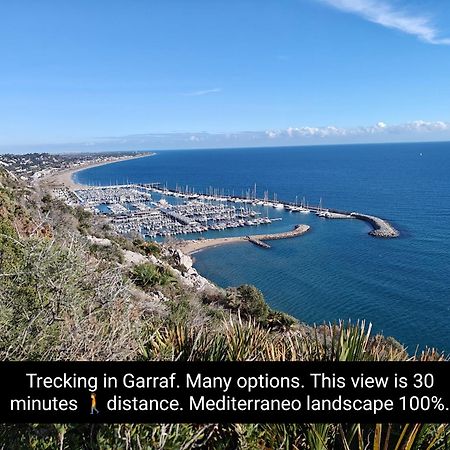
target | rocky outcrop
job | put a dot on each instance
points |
(132, 258)
(99, 241)
(193, 280)
(181, 266)
(184, 262)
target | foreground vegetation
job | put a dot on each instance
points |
(66, 295)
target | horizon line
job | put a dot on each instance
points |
(229, 148)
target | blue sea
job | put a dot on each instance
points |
(336, 271)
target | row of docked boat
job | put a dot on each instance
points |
(163, 219)
(108, 195)
(249, 200)
(299, 209)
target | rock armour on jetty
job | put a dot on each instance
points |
(381, 227)
(297, 231)
(189, 247)
(260, 238)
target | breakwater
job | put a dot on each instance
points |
(257, 242)
(297, 231)
(193, 246)
(381, 228)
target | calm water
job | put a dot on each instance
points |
(337, 270)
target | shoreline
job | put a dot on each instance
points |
(194, 246)
(65, 177)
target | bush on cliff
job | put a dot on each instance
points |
(249, 301)
(148, 275)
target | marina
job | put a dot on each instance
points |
(157, 212)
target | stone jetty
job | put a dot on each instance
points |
(190, 247)
(297, 231)
(257, 242)
(260, 238)
(381, 228)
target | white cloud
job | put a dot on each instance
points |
(383, 13)
(416, 131)
(421, 125)
(313, 131)
(419, 130)
(381, 128)
(202, 92)
(272, 134)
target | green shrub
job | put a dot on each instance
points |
(252, 302)
(84, 219)
(111, 253)
(148, 275)
(280, 321)
(146, 247)
(249, 301)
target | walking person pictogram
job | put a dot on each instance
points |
(94, 403)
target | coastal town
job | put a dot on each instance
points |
(35, 166)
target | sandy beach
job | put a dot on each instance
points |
(65, 177)
(194, 246)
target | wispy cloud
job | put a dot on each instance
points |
(203, 92)
(385, 14)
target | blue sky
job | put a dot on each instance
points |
(131, 74)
